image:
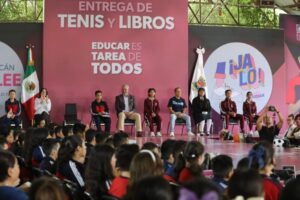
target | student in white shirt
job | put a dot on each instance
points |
(42, 107)
(291, 126)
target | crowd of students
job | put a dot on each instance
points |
(75, 162)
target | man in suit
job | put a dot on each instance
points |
(125, 107)
(228, 109)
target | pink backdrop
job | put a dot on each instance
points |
(68, 74)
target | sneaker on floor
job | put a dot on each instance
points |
(201, 134)
(152, 134)
(158, 134)
(207, 134)
(191, 134)
(172, 134)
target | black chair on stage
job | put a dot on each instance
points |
(232, 122)
(70, 117)
(178, 122)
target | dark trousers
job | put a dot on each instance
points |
(9, 121)
(251, 120)
(99, 119)
(157, 120)
(238, 117)
(43, 116)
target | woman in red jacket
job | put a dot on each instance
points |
(151, 112)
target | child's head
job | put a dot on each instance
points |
(59, 132)
(222, 167)
(51, 148)
(8, 133)
(100, 138)
(193, 153)
(245, 183)
(72, 147)
(289, 191)
(67, 130)
(167, 149)
(9, 169)
(79, 129)
(124, 156)
(145, 163)
(152, 147)
(120, 138)
(261, 157)
(90, 137)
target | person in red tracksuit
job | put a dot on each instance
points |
(229, 111)
(262, 158)
(151, 112)
(250, 110)
(13, 110)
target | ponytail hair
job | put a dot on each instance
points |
(68, 147)
(261, 155)
(193, 150)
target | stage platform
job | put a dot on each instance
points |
(237, 151)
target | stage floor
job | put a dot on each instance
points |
(237, 151)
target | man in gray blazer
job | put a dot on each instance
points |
(125, 107)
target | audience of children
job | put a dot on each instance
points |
(107, 167)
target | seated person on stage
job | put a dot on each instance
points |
(125, 107)
(291, 126)
(229, 111)
(268, 131)
(249, 110)
(13, 110)
(201, 110)
(295, 133)
(151, 111)
(42, 107)
(100, 112)
(177, 108)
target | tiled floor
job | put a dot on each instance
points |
(235, 150)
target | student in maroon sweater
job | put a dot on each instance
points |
(229, 111)
(151, 112)
(249, 110)
(262, 159)
(13, 110)
(100, 112)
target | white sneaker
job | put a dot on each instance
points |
(191, 134)
(201, 134)
(158, 134)
(152, 134)
(172, 134)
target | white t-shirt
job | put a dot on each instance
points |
(41, 106)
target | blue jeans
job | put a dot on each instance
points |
(187, 119)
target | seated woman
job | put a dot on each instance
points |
(151, 111)
(9, 177)
(201, 110)
(249, 110)
(71, 157)
(262, 159)
(42, 107)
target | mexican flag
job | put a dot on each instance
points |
(30, 87)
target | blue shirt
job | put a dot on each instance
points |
(12, 193)
(177, 104)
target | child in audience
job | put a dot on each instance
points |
(144, 164)
(291, 190)
(124, 156)
(35, 153)
(190, 161)
(58, 130)
(9, 177)
(199, 189)
(261, 158)
(90, 138)
(67, 130)
(50, 148)
(8, 133)
(166, 153)
(120, 138)
(80, 129)
(222, 167)
(100, 170)
(46, 188)
(246, 184)
(71, 157)
(150, 188)
(152, 147)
